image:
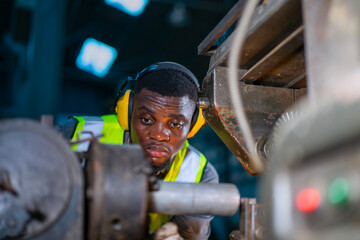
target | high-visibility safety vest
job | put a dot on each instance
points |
(187, 166)
(107, 127)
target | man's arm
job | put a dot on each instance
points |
(197, 227)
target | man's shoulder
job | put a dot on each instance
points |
(210, 174)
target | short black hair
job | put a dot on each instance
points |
(168, 82)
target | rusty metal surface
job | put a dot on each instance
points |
(272, 22)
(285, 48)
(281, 65)
(118, 192)
(286, 72)
(273, 57)
(263, 106)
(41, 183)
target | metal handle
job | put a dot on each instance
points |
(195, 199)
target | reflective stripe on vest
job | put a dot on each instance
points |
(107, 126)
(188, 166)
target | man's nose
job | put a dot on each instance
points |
(160, 132)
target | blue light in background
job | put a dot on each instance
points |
(96, 57)
(132, 7)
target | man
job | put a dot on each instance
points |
(159, 115)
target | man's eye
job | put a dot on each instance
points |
(146, 120)
(176, 125)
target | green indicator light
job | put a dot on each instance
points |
(338, 191)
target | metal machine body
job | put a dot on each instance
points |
(272, 73)
(316, 164)
(316, 173)
(46, 194)
(251, 225)
(41, 183)
(263, 105)
(117, 192)
(312, 48)
(292, 48)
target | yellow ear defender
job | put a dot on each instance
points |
(200, 121)
(123, 108)
(125, 103)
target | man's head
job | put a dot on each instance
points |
(164, 104)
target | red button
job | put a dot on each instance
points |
(308, 200)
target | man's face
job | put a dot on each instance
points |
(160, 125)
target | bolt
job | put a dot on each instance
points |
(203, 103)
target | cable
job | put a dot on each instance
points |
(235, 95)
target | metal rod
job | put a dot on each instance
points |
(195, 199)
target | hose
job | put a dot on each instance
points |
(235, 95)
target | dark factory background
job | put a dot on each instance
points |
(41, 71)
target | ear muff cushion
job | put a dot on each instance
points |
(130, 107)
(122, 110)
(200, 121)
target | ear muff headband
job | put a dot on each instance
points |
(172, 66)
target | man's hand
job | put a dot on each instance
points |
(168, 231)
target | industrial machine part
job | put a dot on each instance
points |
(332, 46)
(316, 168)
(41, 184)
(121, 193)
(195, 199)
(311, 190)
(271, 71)
(251, 226)
(118, 185)
(263, 104)
(43, 194)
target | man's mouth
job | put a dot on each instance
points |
(156, 151)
